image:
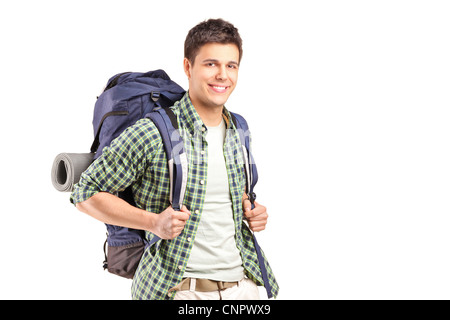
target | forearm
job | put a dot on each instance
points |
(110, 209)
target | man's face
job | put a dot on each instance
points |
(214, 74)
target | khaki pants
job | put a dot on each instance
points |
(246, 289)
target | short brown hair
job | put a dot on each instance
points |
(211, 31)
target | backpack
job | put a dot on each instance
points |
(127, 98)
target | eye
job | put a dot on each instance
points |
(232, 66)
(211, 64)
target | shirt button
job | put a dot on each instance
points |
(180, 267)
(203, 129)
(197, 211)
(189, 239)
(202, 152)
(202, 181)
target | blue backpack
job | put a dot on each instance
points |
(127, 98)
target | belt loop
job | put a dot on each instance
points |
(192, 284)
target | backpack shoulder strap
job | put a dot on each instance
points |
(166, 122)
(250, 166)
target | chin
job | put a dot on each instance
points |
(219, 101)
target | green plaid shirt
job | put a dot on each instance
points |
(137, 158)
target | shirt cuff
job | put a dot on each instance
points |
(82, 193)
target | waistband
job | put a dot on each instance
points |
(203, 285)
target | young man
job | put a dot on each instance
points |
(206, 251)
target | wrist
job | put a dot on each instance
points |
(151, 221)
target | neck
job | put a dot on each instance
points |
(211, 117)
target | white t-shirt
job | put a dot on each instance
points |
(214, 254)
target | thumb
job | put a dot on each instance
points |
(247, 205)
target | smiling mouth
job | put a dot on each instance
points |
(218, 89)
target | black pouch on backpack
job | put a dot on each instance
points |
(124, 260)
(123, 247)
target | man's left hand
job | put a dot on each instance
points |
(257, 218)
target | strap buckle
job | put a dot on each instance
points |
(155, 95)
(251, 197)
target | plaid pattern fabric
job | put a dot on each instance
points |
(137, 158)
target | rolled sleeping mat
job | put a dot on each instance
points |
(67, 169)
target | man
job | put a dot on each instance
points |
(206, 251)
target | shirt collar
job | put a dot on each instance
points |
(192, 120)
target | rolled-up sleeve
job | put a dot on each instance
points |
(120, 164)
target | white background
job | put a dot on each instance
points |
(348, 102)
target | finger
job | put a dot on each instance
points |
(185, 209)
(252, 214)
(178, 229)
(259, 207)
(174, 235)
(258, 229)
(181, 215)
(257, 225)
(257, 212)
(178, 224)
(249, 214)
(259, 217)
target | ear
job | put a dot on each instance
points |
(187, 67)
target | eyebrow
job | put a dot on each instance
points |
(217, 61)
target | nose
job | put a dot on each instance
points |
(222, 73)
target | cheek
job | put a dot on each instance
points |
(233, 77)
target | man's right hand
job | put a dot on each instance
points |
(110, 209)
(170, 223)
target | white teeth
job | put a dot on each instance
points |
(219, 88)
